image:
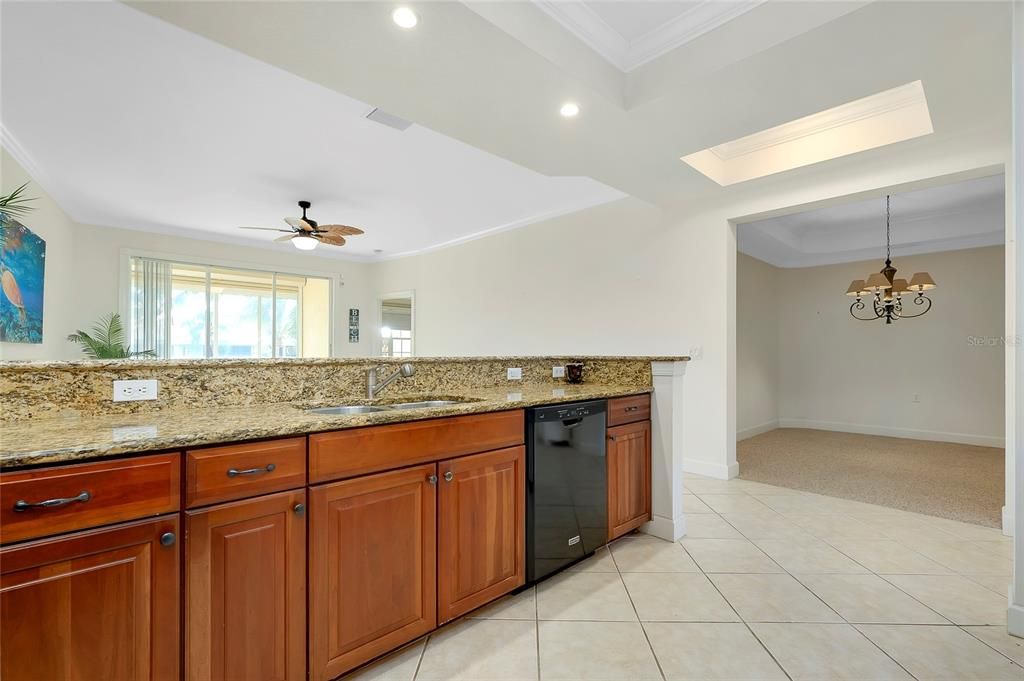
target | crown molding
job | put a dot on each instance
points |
(588, 26)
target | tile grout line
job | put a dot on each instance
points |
(419, 661)
(838, 614)
(643, 629)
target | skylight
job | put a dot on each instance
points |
(877, 120)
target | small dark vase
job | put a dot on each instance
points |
(574, 372)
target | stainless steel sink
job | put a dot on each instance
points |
(348, 409)
(426, 404)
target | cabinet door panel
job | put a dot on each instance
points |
(629, 477)
(101, 604)
(246, 584)
(372, 567)
(482, 524)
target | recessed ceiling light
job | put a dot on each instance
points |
(405, 17)
(569, 110)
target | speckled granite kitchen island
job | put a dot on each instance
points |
(59, 412)
(66, 439)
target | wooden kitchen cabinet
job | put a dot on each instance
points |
(97, 604)
(629, 477)
(482, 521)
(245, 577)
(372, 567)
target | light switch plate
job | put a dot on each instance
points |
(557, 372)
(132, 391)
(515, 374)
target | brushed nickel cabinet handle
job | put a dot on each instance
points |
(432, 479)
(448, 476)
(299, 509)
(167, 538)
(22, 505)
(234, 472)
(632, 408)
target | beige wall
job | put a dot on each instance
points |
(939, 377)
(758, 296)
(568, 285)
(84, 268)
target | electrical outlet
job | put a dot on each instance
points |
(131, 391)
(514, 374)
(557, 372)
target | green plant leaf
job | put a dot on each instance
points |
(107, 340)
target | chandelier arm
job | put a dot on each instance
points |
(919, 300)
(859, 305)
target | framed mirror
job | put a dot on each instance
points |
(397, 324)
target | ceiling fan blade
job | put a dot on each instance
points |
(286, 237)
(267, 229)
(299, 223)
(332, 239)
(346, 230)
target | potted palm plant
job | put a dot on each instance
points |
(107, 340)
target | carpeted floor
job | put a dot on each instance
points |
(962, 482)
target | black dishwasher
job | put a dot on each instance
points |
(566, 485)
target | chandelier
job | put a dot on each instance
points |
(886, 291)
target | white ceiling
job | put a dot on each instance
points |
(966, 214)
(131, 122)
(494, 74)
(630, 34)
(266, 109)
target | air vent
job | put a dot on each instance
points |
(390, 120)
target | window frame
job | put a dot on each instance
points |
(125, 287)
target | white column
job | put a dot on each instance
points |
(1015, 614)
(667, 520)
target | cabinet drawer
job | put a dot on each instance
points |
(87, 495)
(244, 470)
(345, 453)
(629, 409)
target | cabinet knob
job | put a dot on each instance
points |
(448, 476)
(432, 479)
(167, 539)
(299, 509)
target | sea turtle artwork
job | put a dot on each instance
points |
(22, 273)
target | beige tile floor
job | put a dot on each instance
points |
(769, 583)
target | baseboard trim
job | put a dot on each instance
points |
(1015, 620)
(757, 430)
(665, 528)
(907, 433)
(711, 469)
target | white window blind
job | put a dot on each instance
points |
(185, 310)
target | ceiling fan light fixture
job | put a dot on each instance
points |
(304, 243)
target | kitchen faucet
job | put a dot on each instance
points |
(373, 387)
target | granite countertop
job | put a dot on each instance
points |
(68, 439)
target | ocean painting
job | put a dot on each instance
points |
(22, 270)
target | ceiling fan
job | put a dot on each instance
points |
(306, 233)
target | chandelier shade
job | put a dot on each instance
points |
(922, 281)
(877, 282)
(856, 288)
(885, 292)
